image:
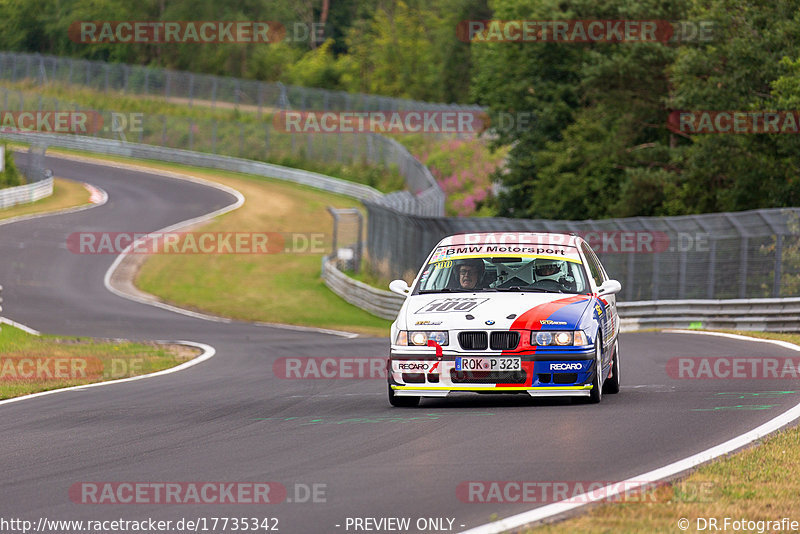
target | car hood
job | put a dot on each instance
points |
(502, 311)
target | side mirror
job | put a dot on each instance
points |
(400, 287)
(609, 287)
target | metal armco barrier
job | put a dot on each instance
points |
(25, 194)
(376, 301)
(767, 315)
(134, 150)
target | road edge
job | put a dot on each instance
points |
(561, 508)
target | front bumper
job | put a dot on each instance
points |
(552, 373)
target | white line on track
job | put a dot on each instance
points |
(189, 222)
(21, 326)
(645, 480)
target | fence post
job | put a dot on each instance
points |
(776, 283)
(214, 137)
(191, 89)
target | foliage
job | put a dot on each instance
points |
(10, 177)
(463, 169)
(601, 148)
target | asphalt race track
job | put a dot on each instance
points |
(230, 419)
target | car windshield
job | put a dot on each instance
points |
(476, 273)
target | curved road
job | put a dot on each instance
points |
(230, 419)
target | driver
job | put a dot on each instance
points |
(470, 272)
(546, 268)
(550, 269)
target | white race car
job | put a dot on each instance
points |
(524, 312)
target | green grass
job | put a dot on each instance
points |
(759, 483)
(30, 364)
(66, 194)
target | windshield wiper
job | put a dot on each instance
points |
(447, 290)
(532, 289)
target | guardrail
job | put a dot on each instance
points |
(384, 304)
(188, 157)
(25, 194)
(767, 315)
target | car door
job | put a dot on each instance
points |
(607, 307)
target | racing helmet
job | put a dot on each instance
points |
(475, 263)
(546, 268)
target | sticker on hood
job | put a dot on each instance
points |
(451, 304)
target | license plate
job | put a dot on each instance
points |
(465, 363)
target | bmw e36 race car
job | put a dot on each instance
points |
(523, 313)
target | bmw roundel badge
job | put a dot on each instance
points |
(490, 322)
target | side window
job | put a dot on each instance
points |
(593, 264)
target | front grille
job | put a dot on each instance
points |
(504, 340)
(473, 340)
(488, 377)
(544, 378)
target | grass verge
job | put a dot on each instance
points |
(30, 364)
(760, 483)
(66, 194)
(279, 288)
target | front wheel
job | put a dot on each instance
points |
(597, 384)
(611, 384)
(402, 402)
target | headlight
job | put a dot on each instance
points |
(550, 337)
(421, 337)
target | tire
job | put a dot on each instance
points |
(402, 402)
(597, 383)
(611, 385)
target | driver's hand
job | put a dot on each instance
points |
(568, 282)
